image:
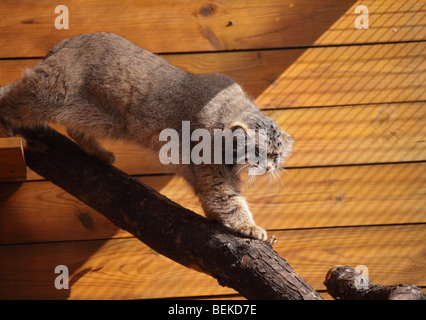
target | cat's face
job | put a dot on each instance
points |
(278, 147)
(267, 149)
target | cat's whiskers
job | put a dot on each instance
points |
(248, 178)
(272, 180)
(284, 170)
(280, 178)
(242, 167)
(275, 174)
(251, 176)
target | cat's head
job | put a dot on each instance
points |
(266, 145)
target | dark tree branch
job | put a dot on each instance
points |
(345, 283)
(249, 266)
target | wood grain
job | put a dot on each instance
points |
(12, 162)
(389, 21)
(184, 26)
(355, 134)
(351, 75)
(127, 269)
(163, 26)
(309, 198)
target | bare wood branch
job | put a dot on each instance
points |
(249, 266)
(346, 283)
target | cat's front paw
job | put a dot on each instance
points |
(255, 232)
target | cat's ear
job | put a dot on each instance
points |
(238, 124)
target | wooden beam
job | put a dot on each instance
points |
(12, 161)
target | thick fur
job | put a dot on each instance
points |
(101, 85)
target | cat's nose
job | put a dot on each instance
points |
(268, 168)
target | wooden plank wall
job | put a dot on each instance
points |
(353, 99)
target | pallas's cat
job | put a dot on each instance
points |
(103, 86)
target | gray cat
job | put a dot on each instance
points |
(103, 86)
